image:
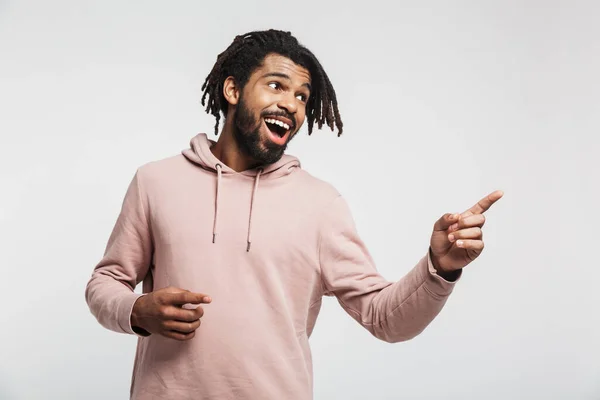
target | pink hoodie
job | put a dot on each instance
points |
(266, 245)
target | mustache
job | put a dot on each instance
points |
(281, 114)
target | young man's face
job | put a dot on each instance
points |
(271, 108)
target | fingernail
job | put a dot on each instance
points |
(459, 243)
(451, 238)
(207, 299)
(454, 227)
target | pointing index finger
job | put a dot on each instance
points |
(484, 204)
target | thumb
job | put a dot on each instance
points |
(172, 289)
(445, 221)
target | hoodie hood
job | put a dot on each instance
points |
(199, 153)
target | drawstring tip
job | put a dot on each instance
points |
(214, 236)
(248, 248)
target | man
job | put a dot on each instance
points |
(237, 230)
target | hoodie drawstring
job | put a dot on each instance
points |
(219, 168)
(254, 191)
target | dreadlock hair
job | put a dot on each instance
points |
(247, 52)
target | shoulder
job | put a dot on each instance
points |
(156, 171)
(318, 188)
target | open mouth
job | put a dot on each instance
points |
(277, 127)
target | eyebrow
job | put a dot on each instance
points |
(284, 76)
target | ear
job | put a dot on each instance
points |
(231, 91)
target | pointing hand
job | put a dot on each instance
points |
(457, 239)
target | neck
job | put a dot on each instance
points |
(228, 152)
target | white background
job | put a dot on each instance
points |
(442, 102)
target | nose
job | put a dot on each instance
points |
(288, 103)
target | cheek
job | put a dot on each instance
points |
(257, 100)
(265, 99)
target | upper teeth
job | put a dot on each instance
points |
(277, 122)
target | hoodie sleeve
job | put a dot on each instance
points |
(110, 290)
(391, 311)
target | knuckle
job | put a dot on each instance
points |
(162, 298)
(172, 313)
(165, 325)
(188, 317)
(163, 311)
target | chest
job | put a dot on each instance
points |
(282, 263)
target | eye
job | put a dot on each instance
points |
(275, 85)
(302, 97)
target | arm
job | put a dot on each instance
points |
(392, 312)
(110, 291)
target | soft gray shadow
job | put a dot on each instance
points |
(3, 13)
(5, 393)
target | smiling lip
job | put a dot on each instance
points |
(275, 138)
(282, 119)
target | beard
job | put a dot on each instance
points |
(246, 132)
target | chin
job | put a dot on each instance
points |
(270, 157)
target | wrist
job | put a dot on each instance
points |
(450, 276)
(135, 319)
(135, 315)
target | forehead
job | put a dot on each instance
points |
(275, 63)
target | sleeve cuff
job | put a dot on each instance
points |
(125, 309)
(436, 283)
